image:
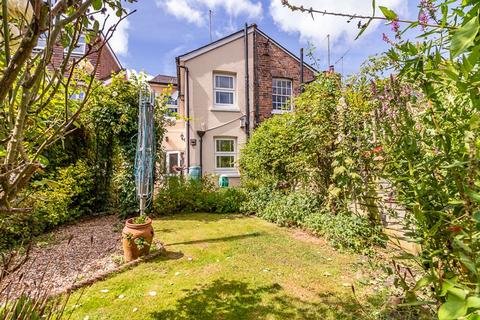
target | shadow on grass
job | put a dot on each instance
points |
(230, 299)
(167, 255)
(221, 239)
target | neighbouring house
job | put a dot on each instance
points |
(174, 140)
(99, 51)
(226, 88)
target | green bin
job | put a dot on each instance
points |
(223, 181)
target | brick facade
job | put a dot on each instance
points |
(272, 61)
(107, 61)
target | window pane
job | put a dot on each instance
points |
(281, 93)
(172, 161)
(224, 82)
(172, 111)
(225, 146)
(80, 48)
(42, 41)
(223, 97)
(171, 101)
(225, 161)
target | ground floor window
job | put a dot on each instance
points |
(225, 153)
(173, 162)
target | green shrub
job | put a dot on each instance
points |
(181, 195)
(63, 196)
(346, 231)
(258, 197)
(291, 209)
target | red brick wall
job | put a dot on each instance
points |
(273, 62)
(107, 62)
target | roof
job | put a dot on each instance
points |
(164, 79)
(109, 47)
(234, 36)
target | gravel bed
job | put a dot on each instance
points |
(67, 255)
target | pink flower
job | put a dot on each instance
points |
(395, 26)
(385, 38)
(423, 19)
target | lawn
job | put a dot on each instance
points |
(230, 267)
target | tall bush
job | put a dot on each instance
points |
(424, 120)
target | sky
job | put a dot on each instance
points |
(159, 30)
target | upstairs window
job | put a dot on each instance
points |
(172, 106)
(41, 43)
(281, 94)
(80, 48)
(224, 90)
(225, 153)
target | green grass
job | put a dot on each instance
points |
(229, 267)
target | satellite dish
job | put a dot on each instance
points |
(174, 96)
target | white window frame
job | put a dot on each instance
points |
(220, 89)
(225, 153)
(43, 38)
(80, 49)
(167, 169)
(173, 106)
(283, 109)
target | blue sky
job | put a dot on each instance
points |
(160, 30)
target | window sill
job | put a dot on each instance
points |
(229, 174)
(225, 109)
(280, 111)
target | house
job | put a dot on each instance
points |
(98, 51)
(226, 88)
(174, 141)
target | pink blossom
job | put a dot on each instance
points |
(387, 39)
(423, 19)
(395, 26)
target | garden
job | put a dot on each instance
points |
(362, 203)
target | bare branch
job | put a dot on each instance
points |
(351, 16)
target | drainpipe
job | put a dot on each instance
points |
(255, 82)
(187, 114)
(247, 93)
(301, 70)
(201, 134)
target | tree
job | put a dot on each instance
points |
(32, 87)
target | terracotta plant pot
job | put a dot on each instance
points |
(133, 231)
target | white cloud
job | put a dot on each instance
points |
(182, 9)
(196, 11)
(316, 30)
(119, 39)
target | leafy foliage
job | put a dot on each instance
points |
(35, 94)
(417, 131)
(180, 195)
(62, 196)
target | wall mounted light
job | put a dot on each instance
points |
(243, 120)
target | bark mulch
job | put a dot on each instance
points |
(68, 255)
